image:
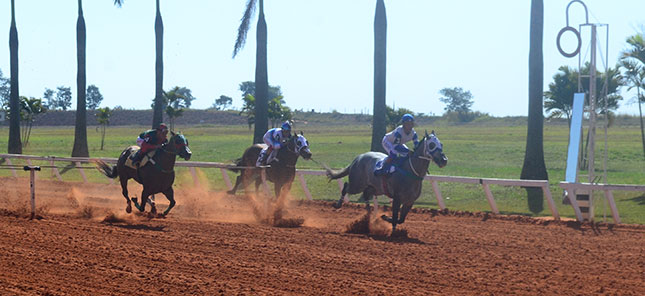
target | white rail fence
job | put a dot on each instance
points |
(484, 182)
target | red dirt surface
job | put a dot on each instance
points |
(211, 244)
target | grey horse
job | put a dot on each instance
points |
(403, 186)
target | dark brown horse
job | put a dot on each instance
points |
(156, 176)
(281, 171)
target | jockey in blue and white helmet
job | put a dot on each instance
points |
(274, 139)
(394, 143)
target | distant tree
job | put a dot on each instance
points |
(278, 111)
(48, 96)
(103, 118)
(248, 109)
(380, 54)
(175, 104)
(63, 98)
(394, 116)
(5, 90)
(30, 108)
(186, 96)
(94, 97)
(534, 167)
(222, 102)
(261, 121)
(456, 100)
(14, 147)
(558, 100)
(248, 88)
(635, 56)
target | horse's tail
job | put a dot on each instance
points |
(238, 162)
(332, 175)
(106, 169)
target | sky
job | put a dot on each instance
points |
(320, 52)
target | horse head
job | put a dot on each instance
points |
(431, 147)
(178, 144)
(298, 144)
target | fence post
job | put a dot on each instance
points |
(227, 180)
(304, 185)
(263, 175)
(612, 204)
(437, 194)
(80, 170)
(193, 172)
(55, 169)
(491, 200)
(13, 171)
(574, 203)
(549, 199)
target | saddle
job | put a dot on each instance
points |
(144, 160)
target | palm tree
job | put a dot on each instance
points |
(175, 103)
(534, 167)
(14, 146)
(158, 105)
(103, 118)
(633, 61)
(379, 121)
(80, 128)
(261, 72)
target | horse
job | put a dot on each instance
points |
(403, 186)
(156, 176)
(281, 171)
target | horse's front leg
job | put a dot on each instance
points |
(277, 187)
(124, 191)
(170, 195)
(396, 204)
(405, 209)
(238, 181)
(144, 199)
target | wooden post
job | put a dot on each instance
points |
(263, 175)
(549, 199)
(574, 203)
(13, 171)
(491, 200)
(80, 169)
(55, 170)
(437, 194)
(227, 180)
(612, 204)
(32, 185)
(193, 172)
(304, 185)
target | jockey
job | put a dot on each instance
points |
(274, 138)
(394, 143)
(150, 140)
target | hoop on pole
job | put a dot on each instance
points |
(575, 52)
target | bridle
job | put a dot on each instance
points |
(426, 151)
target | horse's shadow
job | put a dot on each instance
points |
(397, 239)
(140, 227)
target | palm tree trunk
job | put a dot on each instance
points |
(380, 45)
(14, 147)
(534, 167)
(80, 129)
(261, 79)
(157, 116)
(640, 113)
(102, 135)
(31, 123)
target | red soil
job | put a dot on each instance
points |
(213, 244)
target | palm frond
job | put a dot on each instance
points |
(118, 2)
(244, 26)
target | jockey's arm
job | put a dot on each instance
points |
(387, 143)
(270, 140)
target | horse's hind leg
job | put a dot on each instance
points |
(238, 181)
(170, 195)
(124, 191)
(339, 203)
(367, 196)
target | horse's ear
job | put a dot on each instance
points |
(427, 133)
(433, 133)
(301, 133)
(172, 133)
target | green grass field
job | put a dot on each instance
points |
(474, 151)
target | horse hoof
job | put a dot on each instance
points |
(386, 218)
(337, 205)
(153, 210)
(230, 192)
(128, 209)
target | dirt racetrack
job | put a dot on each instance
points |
(212, 244)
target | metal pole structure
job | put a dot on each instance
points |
(592, 106)
(32, 185)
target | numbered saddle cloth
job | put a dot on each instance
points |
(134, 150)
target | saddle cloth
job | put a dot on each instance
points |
(146, 158)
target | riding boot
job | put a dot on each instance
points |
(261, 158)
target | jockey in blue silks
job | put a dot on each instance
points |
(274, 138)
(394, 144)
